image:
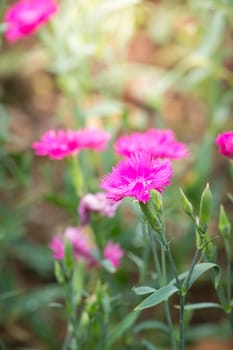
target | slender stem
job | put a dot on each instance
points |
(228, 281)
(162, 278)
(145, 254)
(228, 271)
(164, 267)
(76, 174)
(182, 338)
(156, 258)
(230, 317)
(167, 248)
(195, 260)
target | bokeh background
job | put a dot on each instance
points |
(121, 65)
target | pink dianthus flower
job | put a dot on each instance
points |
(83, 247)
(57, 247)
(61, 144)
(95, 202)
(113, 253)
(26, 16)
(136, 176)
(225, 143)
(93, 139)
(159, 143)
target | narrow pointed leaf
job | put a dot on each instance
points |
(198, 270)
(151, 325)
(157, 297)
(143, 290)
(120, 329)
(198, 306)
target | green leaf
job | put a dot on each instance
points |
(31, 302)
(230, 196)
(138, 261)
(124, 325)
(34, 256)
(148, 345)
(108, 266)
(157, 297)
(143, 290)
(153, 325)
(198, 270)
(58, 272)
(198, 306)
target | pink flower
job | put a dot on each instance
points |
(60, 144)
(83, 247)
(57, 144)
(93, 139)
(57, 247)
(159, 143)
(136, 176)
(26, 16)
(97, 202)
(113, 253)
(225, 143)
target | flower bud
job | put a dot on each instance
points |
(205, 208)
(152, 217)
(157, 200)
(224, 225)
(187, 206)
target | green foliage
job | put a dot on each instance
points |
(162, 294)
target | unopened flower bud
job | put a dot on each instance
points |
(157, 200)
(152, 217)
(224, 223)
(205, 208)
(187, 206)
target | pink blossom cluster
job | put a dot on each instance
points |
(136, 175)
(84, 248)
(95, 202)
(160, 143)
(26, 16)
(225, 143)
(61, 144)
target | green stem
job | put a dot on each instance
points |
(230, 317)
(182, 338)
(183, 293)
(166, 247)
(195, 260)
(162, 278)
(228, 271)
(76, 175)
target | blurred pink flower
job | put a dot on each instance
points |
(81, 242)
(159, 143)
(113, 253)
(57, 247)
(60, 144)
(95, 202)
(225, 143)
(136, 176)
(83, 247)
(57, 144)
(26, 16)
(93, 139)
